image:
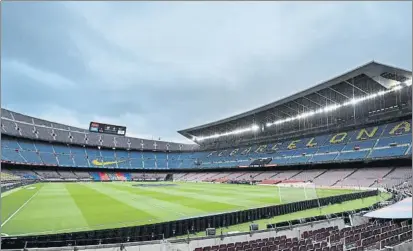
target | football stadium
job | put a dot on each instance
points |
(325, 169)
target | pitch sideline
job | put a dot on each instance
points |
(20, 208)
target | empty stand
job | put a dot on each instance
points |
(363, 237)
(331, 177)
(364, 177)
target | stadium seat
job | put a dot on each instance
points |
(383, 141)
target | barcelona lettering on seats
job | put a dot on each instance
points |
(246, 151)
(367, 134)
(293, 145)
(311, 143)
(402, 127)
(261, 149)
(233, 152)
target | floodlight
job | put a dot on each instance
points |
(326, 109)
(255, 127)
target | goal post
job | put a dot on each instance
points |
(296, 192)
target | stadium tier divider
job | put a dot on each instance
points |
(175, 228)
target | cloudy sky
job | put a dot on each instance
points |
(160, 67)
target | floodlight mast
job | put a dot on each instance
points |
(327, 109)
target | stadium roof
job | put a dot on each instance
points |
(399, 210)
(383, 76)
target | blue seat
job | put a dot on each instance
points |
(80, 160)
(65, 160)
(44, 148)
(330, 148)
(399, 140)
(61, 149)
(299, 160)
(149, 164)
(123, 163)
(368, 144)
(321, 158)
(12, 155)
(305, 151)
(136, 163)
(78, 150)
(32, 157)
(12, 144)
(29, 146)
(279, 161)
(353, 155)
(389, 152)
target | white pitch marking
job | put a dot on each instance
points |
(20, 208)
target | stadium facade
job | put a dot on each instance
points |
(351, 131)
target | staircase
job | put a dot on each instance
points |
(59, 174)
(320, 174)
(392, 170)
(295, 174)
(371, 150)
(169, 177)
(409, 150)
(345, 177)
(38, 175)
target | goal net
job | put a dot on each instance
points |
(296, 192)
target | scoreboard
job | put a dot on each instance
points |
(105, 128)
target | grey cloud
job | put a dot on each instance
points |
(161, 67)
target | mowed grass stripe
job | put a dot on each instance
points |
(261, 194)
(168, 206)
(159, 210)
(177, 197)
(12, 202)
(51, 210)
(217, 193)
(103, 211)
(264, 191)
(213, 190)
(234, 201)
(268, 196)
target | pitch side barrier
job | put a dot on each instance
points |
(159, 231)
(17, 184)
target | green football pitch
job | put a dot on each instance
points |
(67, 207)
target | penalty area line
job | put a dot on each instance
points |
(20, 208)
